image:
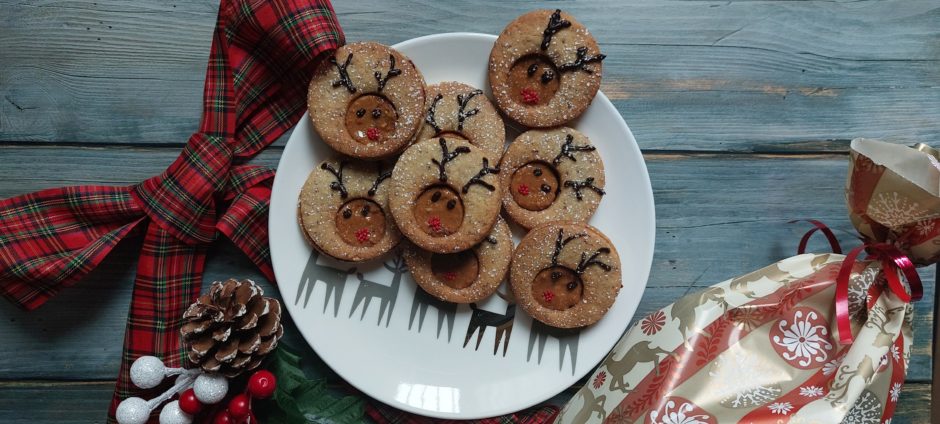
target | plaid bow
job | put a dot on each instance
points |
(262, 56)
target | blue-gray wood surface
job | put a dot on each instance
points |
(744, 111)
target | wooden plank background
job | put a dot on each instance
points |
(744, 111)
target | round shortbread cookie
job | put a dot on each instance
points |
(544, 69)
(565, 274)
(457, 110)
(343, 209)
(464, 277)
(445, 194)
(366, 101)
(551, 175)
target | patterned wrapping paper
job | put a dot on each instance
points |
(765, 347)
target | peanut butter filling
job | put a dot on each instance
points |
(370, 118)
(360, 222)
(533, 80)
(456, 270)
(557, 288)
(534, 186)
(439, 210)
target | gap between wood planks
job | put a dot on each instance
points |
(655, 154)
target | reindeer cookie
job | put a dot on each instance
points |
(458, 110)
(366, 101)
(464, 277)
(565, 274)
(343, 209)
(445, 194)
(545, 69)
(551, 175)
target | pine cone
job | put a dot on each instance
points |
(230, 329)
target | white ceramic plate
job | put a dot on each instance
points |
(424, 356)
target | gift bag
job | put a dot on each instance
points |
(815, 338)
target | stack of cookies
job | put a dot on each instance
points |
(427, 166)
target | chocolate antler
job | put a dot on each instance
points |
(560, 243)
(447, 156)
(343, 74)
(383, 175)
(338, 184)
(478, 178)
(568, 149)
(392, 72)
(580, 185)
(555, 24)
(581, 60)
(586, 261)
(462, 113)
(430, 118)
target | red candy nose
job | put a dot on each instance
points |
(373, 133)
(548, 296)
(523, 189)
(530, 96)
(435, 223)
(362, 235)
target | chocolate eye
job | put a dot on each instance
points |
(533, 68)
(376, 113)
(436, 196)
(347, 213)
(451, 204)
(360, 113)
(537, 172)
(556, 275)
(547, 76)
(572, 285)
(546, 188)
(365, 210)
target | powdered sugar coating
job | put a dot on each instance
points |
(415, 171)
(534, 254)
(494, 255)
(484, 129)
(327, 103)
(319, 203)
(523, 37)
(545, 146)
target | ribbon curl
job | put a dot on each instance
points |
(893, 262)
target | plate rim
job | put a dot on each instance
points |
(644, 270)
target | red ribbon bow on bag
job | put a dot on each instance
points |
(262, 56)
(893, 261)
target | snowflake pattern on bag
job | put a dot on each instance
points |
(803, 340)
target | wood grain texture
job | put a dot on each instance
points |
(718, 216)
(686, 75)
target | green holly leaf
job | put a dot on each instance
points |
(298, 399)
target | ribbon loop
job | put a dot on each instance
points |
(893, 261)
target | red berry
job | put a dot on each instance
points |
(373, 133)
(530, 96)
(523, 189)
(435, 223)
(362, 235)
(223, 418)
(548, 296)
(262, 384)
(239, 407)
(189, 403)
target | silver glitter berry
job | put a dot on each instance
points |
(210, 388)
(147, 372)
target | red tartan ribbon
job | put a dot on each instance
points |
(893, 261)
(261, 59)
